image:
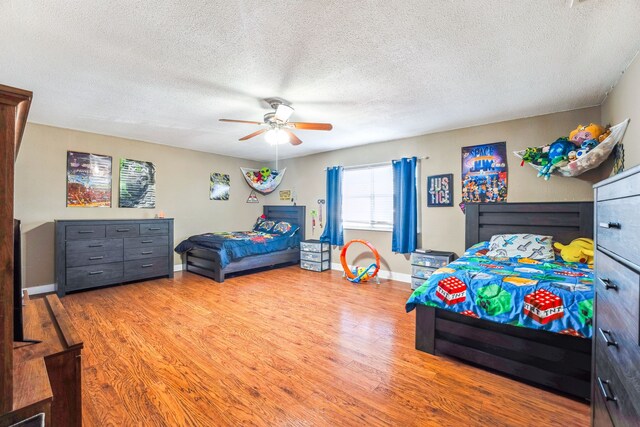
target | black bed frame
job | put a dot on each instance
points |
(203, 262)
(559, 362)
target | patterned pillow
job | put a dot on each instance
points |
(284, 227)
(265, 226)
(521, 246)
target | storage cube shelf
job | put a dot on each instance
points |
(424, 264)
(315, 255)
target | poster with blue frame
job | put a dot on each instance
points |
(484, 173)
(439, 190)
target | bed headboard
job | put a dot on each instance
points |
(292, 214)
(564, 221)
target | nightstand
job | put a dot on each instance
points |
(423, 264)
(315, 255)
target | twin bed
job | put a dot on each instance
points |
(529, 319)
(215, 255)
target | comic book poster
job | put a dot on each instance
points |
(137, 184)
(88, 180)
(484, 173)
(219, 186)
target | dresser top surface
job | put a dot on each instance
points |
(634, 170)
(114, 220)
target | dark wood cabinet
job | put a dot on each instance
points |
(616, 336)
(93, 253)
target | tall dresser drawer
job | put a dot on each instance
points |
(90, 276)
(141, 242)
(123, 230)
(90, 231)
(93, 245)
(617, 225)
(151, 228)
(622, 406)
(145, 252)
(143, 268)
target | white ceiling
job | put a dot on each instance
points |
(165, 71)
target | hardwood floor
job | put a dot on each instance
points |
(282, 347)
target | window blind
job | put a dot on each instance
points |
(367, 198)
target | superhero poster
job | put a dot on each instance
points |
(484, 173)
(88, 180)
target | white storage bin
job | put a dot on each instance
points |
(314, 246)
(428, 260)
(314, 266)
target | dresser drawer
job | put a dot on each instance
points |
(93, 245)
(314, 256)
(75, 232)
(600, 412)
(146, 252)
(416, 282)
(622, 405)
(146, 241)
(421, 272)
(617, 226)
(78, 259)
(618, 293)
(314, 266)
(154, 228)
(123, 230)
(94, 275)
(314, 246)
(143, 268)
(429, 260)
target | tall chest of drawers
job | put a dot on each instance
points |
(616, 337)
(94, 253)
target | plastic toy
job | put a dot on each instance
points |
(265, 172)
(558, 156)
(360, 274)
(579, 250)
(583, 133)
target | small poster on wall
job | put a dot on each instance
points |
(88, 180)
(137, 184)
(285, 195)
(484, 173)
(439, 190)
(219, 185)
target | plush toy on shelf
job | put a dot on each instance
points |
(579, 250)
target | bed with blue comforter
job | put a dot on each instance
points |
(227, 247)
(548, 295)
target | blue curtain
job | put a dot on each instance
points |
(333, 227)
(405, 206)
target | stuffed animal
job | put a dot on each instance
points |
(265, 172)
(558, 154)
(583, 133)
(579, 250)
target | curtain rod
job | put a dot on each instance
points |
(375, 164)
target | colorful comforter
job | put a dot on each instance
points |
(549, 295)
(231, 246)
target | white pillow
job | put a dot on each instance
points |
(521, 246)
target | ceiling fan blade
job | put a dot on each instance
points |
(251, 135)
(293, 139)
(241, 121)
(311, 126)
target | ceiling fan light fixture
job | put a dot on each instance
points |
(283, 112)
(276, 136)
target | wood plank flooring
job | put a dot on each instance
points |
(282, 347)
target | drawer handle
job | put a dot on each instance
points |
(93, 273)
(93, 258)
(147, 265)
(608, 338)
(96, 246)
(605, 390)
(147, 241)
(154, 229)
(147, 252)
(608, 284)
(615, 225)
(122, 230)
(85, 231)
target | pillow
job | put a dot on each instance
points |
(284, 227)
(259, 221)
(265, 226)
(521, 246)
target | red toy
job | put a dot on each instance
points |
(451, 290)
(543, 306)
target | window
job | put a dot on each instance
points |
(367, 198)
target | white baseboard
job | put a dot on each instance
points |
(384, 274)
(41, 289)
(177, 267)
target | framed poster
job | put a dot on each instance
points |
(88, 180)
(439, 190)
(137, 184)
(484, 173)
(219, 185)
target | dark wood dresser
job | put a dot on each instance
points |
(93, 253)
(616, 336)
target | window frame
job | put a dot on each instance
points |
(382, 226)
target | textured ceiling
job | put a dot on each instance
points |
(165, 71)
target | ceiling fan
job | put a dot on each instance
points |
(276, 124)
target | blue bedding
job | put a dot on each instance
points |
(231, 246)
(549, 295)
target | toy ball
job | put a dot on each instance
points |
(359, 270)
(265, 172)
